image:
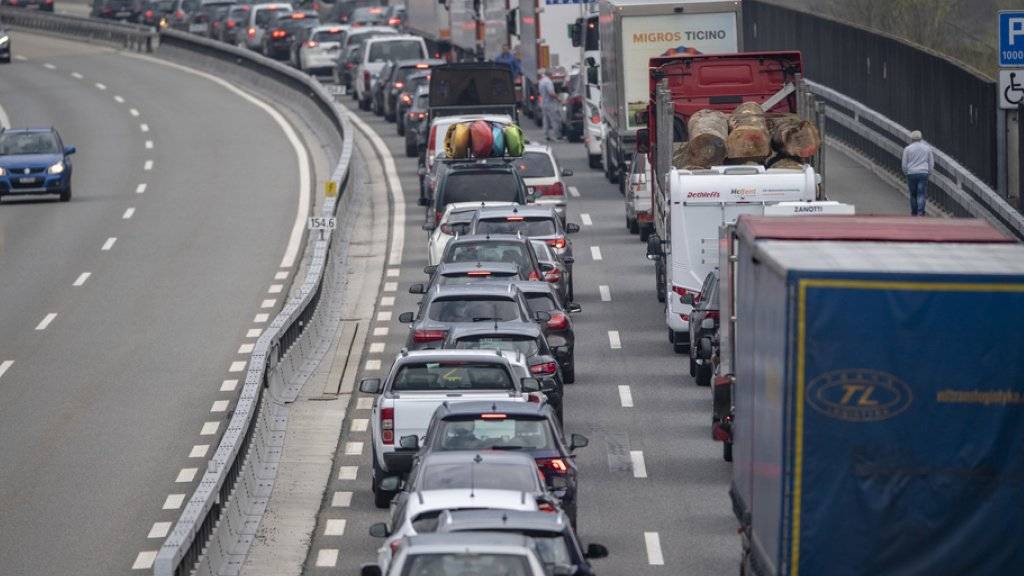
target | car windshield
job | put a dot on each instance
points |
(525, 344)
(236, 13)
(467, 563)
(452, 376)
(368, 15)
(265, 15)
(292, 25)
(396, 50)
(473, 309)
(542, 226)
(541, 302)
(485, 476)
(489, 432)
(535, 165)
(481, 187)
(327, 35)
(28, 143)
(513, 252)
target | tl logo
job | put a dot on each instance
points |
(859, 395)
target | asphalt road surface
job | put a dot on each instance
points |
(653, 485)
(126, 313)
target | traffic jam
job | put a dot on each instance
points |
(845, 361)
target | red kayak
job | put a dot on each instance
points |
(481, 140)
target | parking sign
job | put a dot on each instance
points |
(1011, 38)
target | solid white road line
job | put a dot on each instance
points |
(625, 396)
(144, 561)
(77, 76)
(261, 318)
(237, 366)
(275, 288)
(46, 321)
(341, 499)
(199, 451)
(134, 112)
(148, 165)
(149, 144)
(5, 366)
(574, 192)
(334, 527)
(372, 365)
(186, 475)
(348, 472)
(144, 127)
(364, 403)
(595, 252)
(101, 86)
(159, 530)
(327, 558)
(384, 316)
(246, 348)
(109, 243)
(228, 385)
(359, 424)
(653, 543)
(613, 339)
(254, 333)
(119, 99)
(173, 501)
(82, 278)
(209, 428)
(381, 331)
(128, 214)
(282, 275)
(220, 406)
(585, 218)
(268, 303)
(639, 466)
(141, 188)
(49, 66)
(606, 293)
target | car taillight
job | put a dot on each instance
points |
(399, 85)
(394, 546)
(595, 119)
(278, 34)
(545, 368)
(552, 465)
(681, 291)
(421, 115)
(252, 32)
(406, 98)
(394, 21)
(547, 507)
(179, 15)
(533, 276)
(533, 399)
(431, 141)
(149, 13)
(387, 425)
(437, 216)
(553, 275)
(428, 335)
(558, 321)
(712, 314)
(684, 317)
(556, 243)
(312, 44)
(556, 189)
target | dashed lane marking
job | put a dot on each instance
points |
(595, 252)
(209, 428)
(372, 365)
(173, 501)
(82, 278)
(128, 214)
(574, 192)
(268, 303)
(394, 272)
(384, 316)
(237, 366)
(606, 293)
(46, 321)
(275, 288)
(133, 112)
(254, 333)
(364, 403)
(109, 243)
(613, 339)
(100, 86)
(585, 218)
(77, 76)
(282, 275)
(334, 527)
(186, 475)
(341, 499)
(144, 127)
(144, 561)
(348, 472)
(625, 396)
(359, 424)
(119, 99)
(20, 58)
(246, 348)
(147, 165)
(377, 347)
(261, 318)
(639, 465)
(6, 365)
(327, 558)
(220, 406)
(381, 331)
(149, 144)
(159, 530)
(387, 301)
(141, 188)
(228, 385)
(199, 451)
(653, 544)
(49, 66)
(390, 286)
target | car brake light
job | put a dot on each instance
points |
(437, 216)
(479, 273)
(533, 276)
(431, 141)
(406, 98)
(252, 32)
(515, 219)
(428, 335)
(298, 16)
(149, 13)
(394, 22)
(387, 425)
(278, 34)
(556, 189)
(553, 275)
(493, 416)
(394, 546)
(547, 507)
(557, 243)
(399, 85)
(533, 399)
(179, 15)
(685, 317)
(312, 44)
(421, 115)
(680, 291)
(544, 368)
(555, 465)
(423, 66)
(558, 321)
(712, 314)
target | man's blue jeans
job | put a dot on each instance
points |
(918, 184)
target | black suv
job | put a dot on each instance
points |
(478, 181)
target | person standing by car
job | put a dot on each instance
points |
(511, 60)
(918, 164)
(549, 106)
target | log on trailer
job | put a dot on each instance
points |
(708, 131)
(794, 136)
(748, 133)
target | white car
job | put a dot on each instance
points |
(639, 215)
(376, 52)
(593, 127)
(321, 50)
(259, 17)
(456, 220)
(490, 553)
(435, 146)
(543, 177)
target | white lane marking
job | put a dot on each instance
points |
(595, 252)
(393, 272)
(141, 188)
(639, 465)
(144, 561)
(6, 365)
(159, 530)
(237, 366)
(394, 188)
(173, 501)
(282, 275)
(381, 331)
(209, 428)
(613, 339)
(109, 243)
(100, 86)
(574, 192)
(372, 365)
(348, 472)
(390, 286)
(77, 76)
(220, 406)
(653, 543)
(268, 303)
(585, 218)
(387, 301)
(275, 288)
(359, 424)
(254, 333)
(148, 165)
(49, 66)
(144, 127)
(334, 527)
(186, 475)
(20, 58)
(341, 499)
(364, 403)
(246, 348)
(5, 122)
(199, 451)
(128, 214)
(327, 557)
(133, 112)
(82, 278)
(228, 385)
(384, 316)
(606, 293)
(118, 99)
(261, 318)
(377, 347)
(149, 144)
(625, 396)
(46, 321)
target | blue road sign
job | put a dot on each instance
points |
(1011, 38)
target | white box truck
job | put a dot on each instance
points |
(634, 31)
(545, 36)
(479, 36)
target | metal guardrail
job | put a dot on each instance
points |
(952, 187)
(129, 36)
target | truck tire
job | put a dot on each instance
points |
(659, 280)
(704, 374)
(693, 366)
(632, 225)
(594, 161)
(610, 172)
(645, 232)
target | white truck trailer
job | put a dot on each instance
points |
(429, 19)
(545, 35)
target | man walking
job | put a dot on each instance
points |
(918, 163)
(550, 106)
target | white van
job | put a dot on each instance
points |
(376, 52)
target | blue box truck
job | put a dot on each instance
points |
(879, 410)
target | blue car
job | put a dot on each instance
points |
(34, 161)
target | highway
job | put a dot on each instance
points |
(128, 312)
(654, 488)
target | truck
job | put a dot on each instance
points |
(880, 420)
(689, 205)
(586, 35)
(634, 31)
(545, 41)
(479, 28)
(429, 19)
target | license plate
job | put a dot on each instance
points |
(26, 180)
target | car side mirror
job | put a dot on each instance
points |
(417, 289)
(595, 551)
(429, 226)
(566, 172)
(429, 270)
(369, 385)
(410, 442)
(530, 385)
(69, 150)
(572, 228)
(574, 308)
(643, 143)
(390, 484)
(380, 529)
(406, 317)
(541, 316)
(578, 441)
(369, 569)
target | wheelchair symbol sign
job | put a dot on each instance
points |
(1011, 88)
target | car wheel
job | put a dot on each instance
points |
(645, 233)
(633, 225)
(727, 451)
(594, 161)
(364, 104)
(65, 194)
(704, 373)
(693, 366)
(381, 498)
(410, 147)
(680, 343)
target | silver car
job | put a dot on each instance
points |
(464, 553)
(259, 17)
